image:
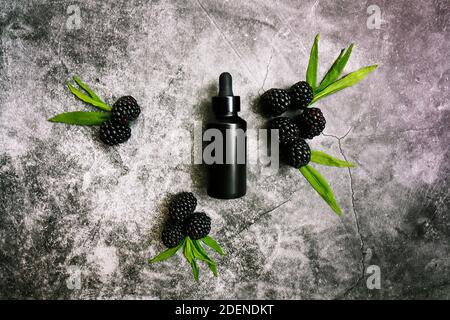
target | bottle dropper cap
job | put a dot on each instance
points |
(225, 102)
(225, 85)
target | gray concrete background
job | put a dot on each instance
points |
(67, 200)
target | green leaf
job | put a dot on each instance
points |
(195, 270)
(167, 254)
(321, 186)
(81, 118)
(190, 257)
(213, 268)
(188, 250)
(344, 82)
(327, 160)
(87, 89)
(87, 99)
(322, 85)
(336, 69)
(210, 242)
(201, 254)
(311, 72)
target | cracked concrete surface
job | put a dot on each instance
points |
(67, 201)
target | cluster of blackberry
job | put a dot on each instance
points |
(293, 132)
(117, 130)
(186, 231)
(184, 221)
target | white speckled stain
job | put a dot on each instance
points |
(106, 258)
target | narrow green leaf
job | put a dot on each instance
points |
(336, 69)
(321, 86)
(190, 257)
(311, 72)
(321, 186)
(87, 89)
(210, 242)
(188, 250)
(346, 81)
(195, 270)
(213, 268)
(327, 160)
(87, 99)
(81, 118)
(201, 254)
(167, 254)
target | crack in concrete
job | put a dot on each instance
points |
(222, 34)
(286, 22)
(262, 215)
(267, 69)
(172, 80)
(254, 221)
(355, 214)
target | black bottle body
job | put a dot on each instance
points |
(228, 179)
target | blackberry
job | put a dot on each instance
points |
(287, 129)
(113, 133)
(125, 109)
(297, 153)
(172, 235)
(198, 225)
(301, 95)
(311, 123)
(274, 102)
(182, 206)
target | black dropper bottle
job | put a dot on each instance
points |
(227, 179)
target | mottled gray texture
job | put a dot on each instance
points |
(66, 199)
